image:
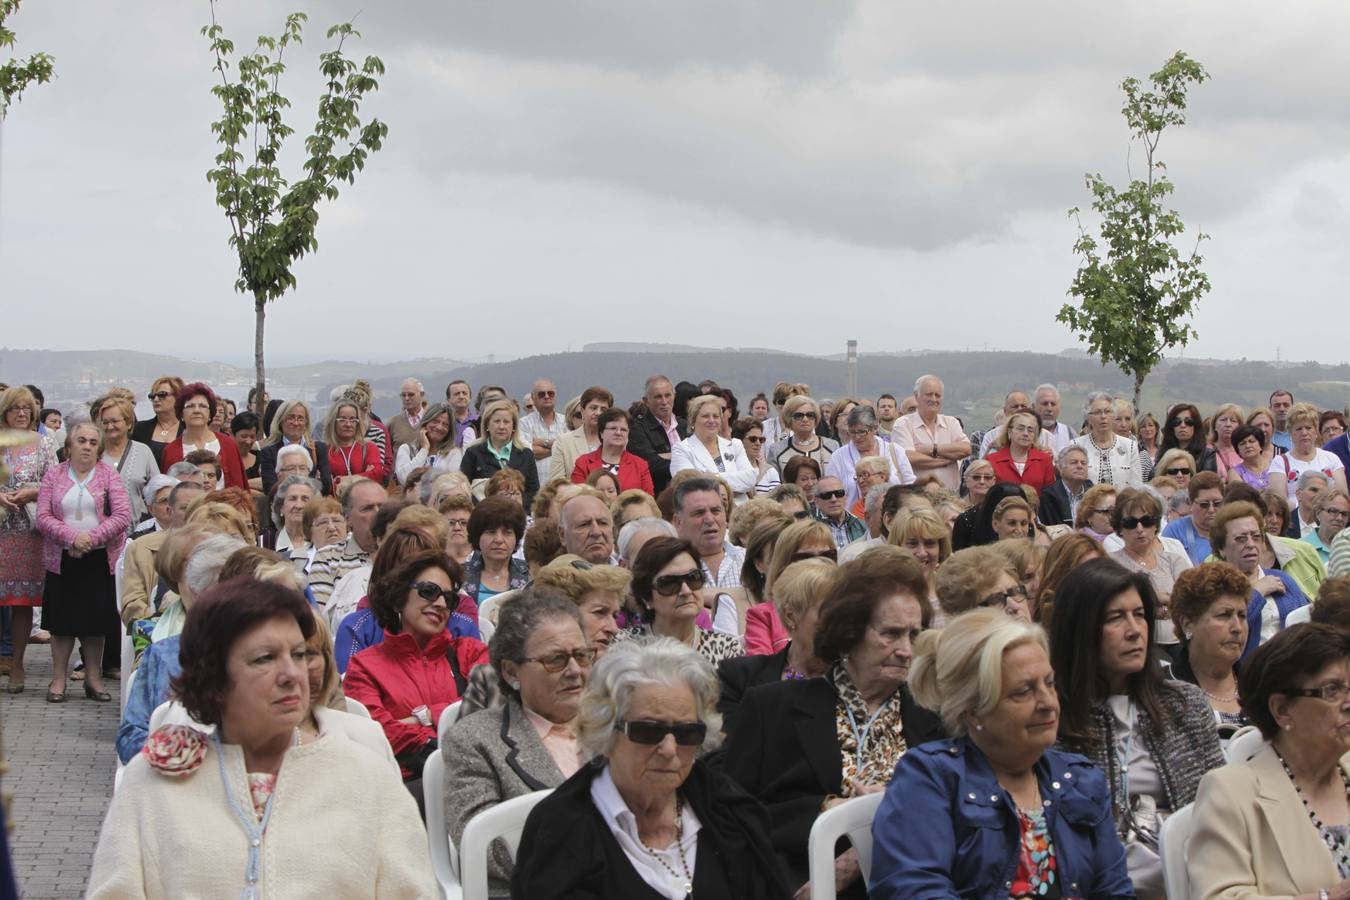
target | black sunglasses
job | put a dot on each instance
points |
(1181, 471)
(429, 591)
(1187, 421)
(1002, 598)
(1130, 522)
(831, 554)
(802, 416)
(669, 585)
(651, 733)
(830, 495)
(160, 395)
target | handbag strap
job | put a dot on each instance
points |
(461, 683)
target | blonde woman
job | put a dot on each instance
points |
(705, 450)
(499, 448)
(1225, 421)
(922, 532)
(349, 453)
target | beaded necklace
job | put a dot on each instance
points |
(679, 852)
(1337, 844)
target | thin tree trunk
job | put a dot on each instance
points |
(260, 369)
(1138, 390)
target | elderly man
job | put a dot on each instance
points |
(657, 429)
(1014, 402)
(406, 425)
(141, 591)
(933, 443)
(460, 397)
(635, 534)
(586, 528)
(1310, 485)
(1281, 402)
(539, 429)
(832, 510)
(874, 502)
(701, 519)
(1047, 409)
(1059, 501)
(361, 499)
(156, 496)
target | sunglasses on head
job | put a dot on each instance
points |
(1129, 522)
(1186, 420)
(429, 591)
(830, 495)
(651, 733)
(831, 554)
(1181, 471)
(669, 585)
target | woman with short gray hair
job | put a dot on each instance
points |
(287, 532)
(647, 814)
(859, 440)
(1112, 459)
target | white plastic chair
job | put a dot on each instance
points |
(487, 617)
(1300, 616)
(503, 822)
(852, 820)
(444, 862)
(357, 708)
(159, 715)
(448, 717)
(1172, 841)
(1244, 744)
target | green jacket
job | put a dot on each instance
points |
(1299, 560)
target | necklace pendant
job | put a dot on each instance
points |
(79, 512)
(688, 890)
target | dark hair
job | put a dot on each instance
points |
(1064, 555)
(613, 414)
(726, 394)
(39, 398)
(763, 537)
(684, 392)
(543, 542)
(195, 389)
(1329, 416)
(689, 486)
(388, 594)
(1196, 447)
(47, 411)
(858, 587)
(741, 427)
(1231, 512)
(1241, 492)
(244, 421)
(1203, 481)
(1333, 602)
(517, 620)
(1076, 641)
(204, 457)
(793, 467)
(895, 499)
(595, 393)
(1197, 589)
(215, 622)
(385, 516)
(1131, 500)
(1298, 652)
(496, 512)
(654, 556)
(1242, 432)
(399, 544)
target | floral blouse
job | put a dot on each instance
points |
(870, 743)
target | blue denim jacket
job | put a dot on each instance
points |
(159, 665)
(947, 829)
(1290, 599)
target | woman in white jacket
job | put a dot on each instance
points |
(435, 445)
(707, 451)
(1112, 459)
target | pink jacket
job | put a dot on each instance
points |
(111, 532)
(764, 631)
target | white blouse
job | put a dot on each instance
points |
(623, 825)
(77, 505)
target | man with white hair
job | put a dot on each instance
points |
(934, 443)
(1047, 408)
(540, 428)
(405, 426)
(1310, 485)
(586, 527)
(635, 534)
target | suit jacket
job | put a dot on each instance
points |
(1055, 506)
(633, 471)
(738, 675)
(1038, 472)
(737, 470)
(567, 449)
(492, 756)
(480, 462)
(648, 440)
(1252, 837)
(785, 751)
(321, 471)
(139, 578)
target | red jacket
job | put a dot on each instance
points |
(394, 677)
(366, 460)
(231, 464)
(1039, 471)
(633, 471)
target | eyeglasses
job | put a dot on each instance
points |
(1186, 421)
(986, 476)
(1332, 693)
(458, 524)
(1208, 504)
(1130, 522)
(430, 591)
(802, 514)
(669, 585)
(651, 733)
(1336, 513)
(1023, 429)
(831, 554)
(346, 420)
(330, 522)
(545, 393)
(1102, 510)
(556, 662)
(803, 416)
(830, 495)
(748, 439)
(1182, 470)
(859, 432)
(160, 395)
(1247, 537)
(1001, 599)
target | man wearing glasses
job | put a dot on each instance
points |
(832, 510)
(404, 427)
(542, 427)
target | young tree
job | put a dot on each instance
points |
(1137, 301)
(272, 220)
(17, 74)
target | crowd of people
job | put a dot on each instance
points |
(700, 630)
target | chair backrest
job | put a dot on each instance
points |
(1244, 744)
(128, 653)
(1300, 616)
(118, 572)
(449, 717)
(357, 708)
(1172, 841)
(157, 717)
(852, 820)
(487, 617)
(443, 863)
(503, 822)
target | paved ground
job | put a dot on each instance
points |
(61, 763)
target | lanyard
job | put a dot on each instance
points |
(254, 830)
(861, 736)
(1124, 756)
(347, 457)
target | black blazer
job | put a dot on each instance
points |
(785, 751)
(480, 462)
(1055, 507)
(648, 440)
(267, 467)
(568, 851)
(738, 675)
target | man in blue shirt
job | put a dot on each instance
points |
(1206, 493)
(1281, 402)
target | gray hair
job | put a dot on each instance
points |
(156, 484)
(415, 381)
(1046, 389)
(207, 559)
(689, 486)
(183, 486)
(876, 495)
(918, 383)
(1308, 477)
(1094, 397)
(517, 620)
(862, 415)
(292, 450)
(349, 485)
(632, 529)
(1064, 452)
(290, 481)
(653, 379)
(1180, 501)
(180, 471)
(629, 666)
(789, 491)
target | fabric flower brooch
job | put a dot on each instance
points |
(175, 751)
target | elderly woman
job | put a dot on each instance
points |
(496, 527)
(802, 472)
(1330, 425)
(863, 442)
(802, 415)
(1002, 812)
(1333, 507)
(1137, 518)
(134, 461)
(1183, 429)
(1209, 608)
(83, 515)
(195, 405)
(291, 426)
(979, 577)
(667, 578)
(628, 469)
(923, 534)
(1112, 459)
(705, 450)
(1273, 825)
(1153, 738)
(1251, 467)
(293, 494)
(584, 437)
(1238, 537)
(160, 431)
(21, 557)
(323, 523)
(434, 446)
(1178, 465)
(750, 432)
(408, 679)
(647, 817)
(1016, 457)
(500, 448)
(1286, 468)
(1095, 510)
(803, 746)
(541, 658)
(349, 453)
(869, 472)
(198, 815)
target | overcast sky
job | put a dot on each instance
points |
(782, 173)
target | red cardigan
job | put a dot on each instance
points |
(633, 471)
(231, 463)
(1039, 471)
(366, 460)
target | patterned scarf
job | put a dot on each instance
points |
(870, 744)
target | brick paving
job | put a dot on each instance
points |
(61, 763)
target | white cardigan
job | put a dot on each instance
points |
(1127, 470)
(343, 825)
(740, 475)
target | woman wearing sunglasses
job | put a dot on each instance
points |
(164, 428)
(667, 587)
(647, 817)
(408, 679)
(802, 415)
(804, 746)
(1183, 429)
(1137, 518)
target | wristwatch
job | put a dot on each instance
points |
(423, 715)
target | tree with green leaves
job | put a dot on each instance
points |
(1135, 302)
(17, 74)
(273, 219)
